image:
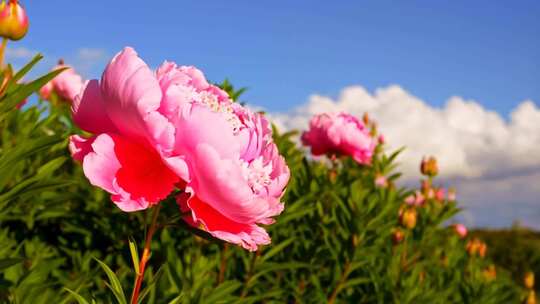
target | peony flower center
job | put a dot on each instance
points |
(211, 101)
(257, 174)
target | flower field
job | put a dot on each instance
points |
(157, 186)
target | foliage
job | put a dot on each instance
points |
(516, 249)
(63, 241)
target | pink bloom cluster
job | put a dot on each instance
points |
(157, 131)
(66, 85)
(341, 134)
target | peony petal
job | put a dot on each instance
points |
(219, 182)
(199, 124)
(89, 110)
(79, 146)
(220, 226)
(131, 92)
(134, 174)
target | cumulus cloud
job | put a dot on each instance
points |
(468, 140)
(493, 161)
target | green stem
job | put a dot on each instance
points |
(145, 256)
(2, 50)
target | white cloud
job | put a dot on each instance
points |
(494, 163)
(89, 61)
(467, 139)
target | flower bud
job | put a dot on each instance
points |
(397, 236)
(365, 119)
(381, 181)
(439, 194)
(381, 139)
(451, 194)
(408, 218)
(531, 297)
(490, 273)
(528, 279)
(13, 20)
(460, 230)
(410, 200)
(429, 166)
(482, 249)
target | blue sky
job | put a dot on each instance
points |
(286, 50)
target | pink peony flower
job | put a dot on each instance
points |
(339, 133)
(155, 131)
(461, 230)
(67, 85)
(130, 153)
(236, 173)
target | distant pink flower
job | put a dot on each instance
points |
(130, 153)
(381, 139)
(237, 176)
(451, 195)
(439, 194)
(410, 200)
(67, 85)
(339, 133)
(419, 198)
(461, 230)
(381, 181)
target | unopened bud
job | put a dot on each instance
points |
(381, 181)
(531, 297)
(429, 166)
(381, 139)
(355, 240)
(439, 194)
(408, 218)
(13, 20)
(482, 249)
(460, 230)
(365, 119)
(410, 200)
(528, 279)
(451, 194)
(397, 236)
(490, 273)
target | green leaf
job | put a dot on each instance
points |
(178, 299)
(134, 255)
(276, 249)
(222, 291)
(114, 285)
(8, 262)
(25, 69)
(77, 296)
(24, 90)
